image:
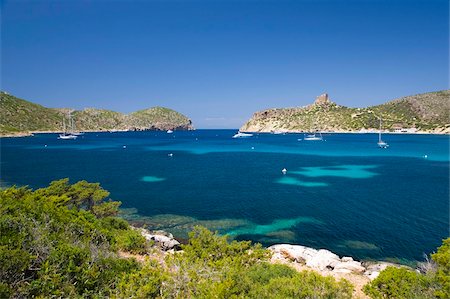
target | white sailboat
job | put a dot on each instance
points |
(381, 143)
(66, 135)
(313, 137)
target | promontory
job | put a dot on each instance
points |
(422, 113)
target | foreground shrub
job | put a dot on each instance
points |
(442, 258)
(52, 243)
(400, 283)
(404, 283)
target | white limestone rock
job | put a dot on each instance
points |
(351, 266)
(324, 259)
(374, 269)
(162, 239)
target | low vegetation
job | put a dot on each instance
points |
(432, 282)
(65, 241)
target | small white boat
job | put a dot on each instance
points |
(169, 131)
(67, 136)
(381, 143)
(242, 135)
(313, 137)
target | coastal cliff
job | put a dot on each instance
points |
(422, 113)
(19, 117)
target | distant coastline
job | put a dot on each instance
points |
(31, 133)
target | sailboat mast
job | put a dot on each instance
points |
(73, 126)
(379, 133)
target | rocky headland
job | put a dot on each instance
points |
(427, 113)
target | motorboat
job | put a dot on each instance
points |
(242, 135)
(313, 137)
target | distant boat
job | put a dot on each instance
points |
(169, 131)
(278, 132)
(242, 135)
(381, 143)
(313, 137)
(66, 135)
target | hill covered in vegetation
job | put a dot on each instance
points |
(21, 116)
(65, 241)
(428, 112)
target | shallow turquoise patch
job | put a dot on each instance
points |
(152, 179)
(276, 225)
(293, 181)
(345, 171)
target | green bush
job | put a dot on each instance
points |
(306, 284)
(51, 243)
(442, 258)
(400, 283)
(404, 283)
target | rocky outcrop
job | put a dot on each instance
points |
(165, 241)
(373, 269)
(323, 260)
(322, 100)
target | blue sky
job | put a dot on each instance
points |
(220, 61)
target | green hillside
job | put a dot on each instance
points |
(21, 116)
(17, 115)
(427, 112)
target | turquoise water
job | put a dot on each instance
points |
(344, 193)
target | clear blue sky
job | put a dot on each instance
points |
(220, 61)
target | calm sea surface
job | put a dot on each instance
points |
(344, 193)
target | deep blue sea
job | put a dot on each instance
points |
(344, 193)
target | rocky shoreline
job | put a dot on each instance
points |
(28, 134)
(301, 257)
(31, 133)
(348, 132)
(326, 262)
